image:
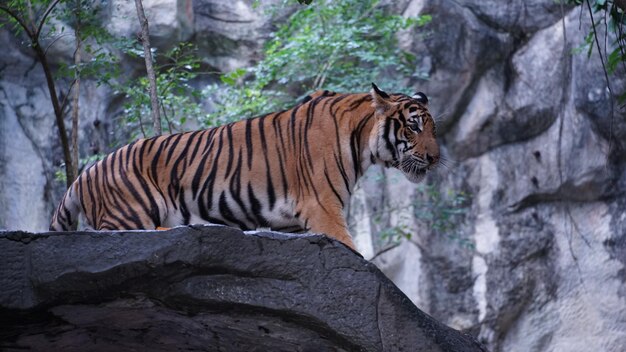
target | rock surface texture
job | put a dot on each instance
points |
(206, 289)
(527, 127)
(536, 261)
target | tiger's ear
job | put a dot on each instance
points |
(421, 97)
(381, 99)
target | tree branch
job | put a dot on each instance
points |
(54, 98)
(145, 40)
(69, 91)
(606, 77)
(383, 251)
(43, 18)
(58, 113)
(76, 95)
(56, 40)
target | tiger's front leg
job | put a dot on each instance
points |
(329, 221)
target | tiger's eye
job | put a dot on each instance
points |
(414, 127)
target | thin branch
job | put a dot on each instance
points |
(57, 111)
(31, 15)
(384, 250)
(145, 40)
(143, 132)
(169, 123)
(606, 77)
(622, 38)
(55, 40)
(69, 91)
(76, 98)
(44, 17)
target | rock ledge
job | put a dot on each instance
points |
(209, 288)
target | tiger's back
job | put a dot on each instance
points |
(292, 171)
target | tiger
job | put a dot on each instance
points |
(290, 171)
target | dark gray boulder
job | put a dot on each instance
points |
(209, 288)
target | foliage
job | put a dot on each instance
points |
(437, 211)
(178, 66)
(335, 45)
(178, 98)
(442, 211)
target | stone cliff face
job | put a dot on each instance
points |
(526, 124)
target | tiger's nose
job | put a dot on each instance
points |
(432, 159)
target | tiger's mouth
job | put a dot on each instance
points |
(413, 169)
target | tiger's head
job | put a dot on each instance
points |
(404, 135)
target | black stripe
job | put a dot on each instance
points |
(195, 183)
(196, 147)
(133, 191)
(249, 145)
(155, 162)
(309, 121)
(338, 157)
(183, 206)
(154, 208)
(67, 218)
(342, 171)
(173, 147)
(96, 184)
(278, 130)
(207, 186)
(230, 151)
(150, 142)
(174, 187)
(388, 143)
(227, 214)
(128, 150)
(268, 173)
(330, 183)
(235, 187)
(112, 193)
(140, 175)
(283, 175)
(336, 101)
(401, 116)
(257, 209)
(292, 124)
(142, 152)
(357, 103)
(212, 133)
(355, 144)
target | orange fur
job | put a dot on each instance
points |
(292, 170)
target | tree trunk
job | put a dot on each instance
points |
(76, 92)
(145, 40)
(58, 114)
(33, 33)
